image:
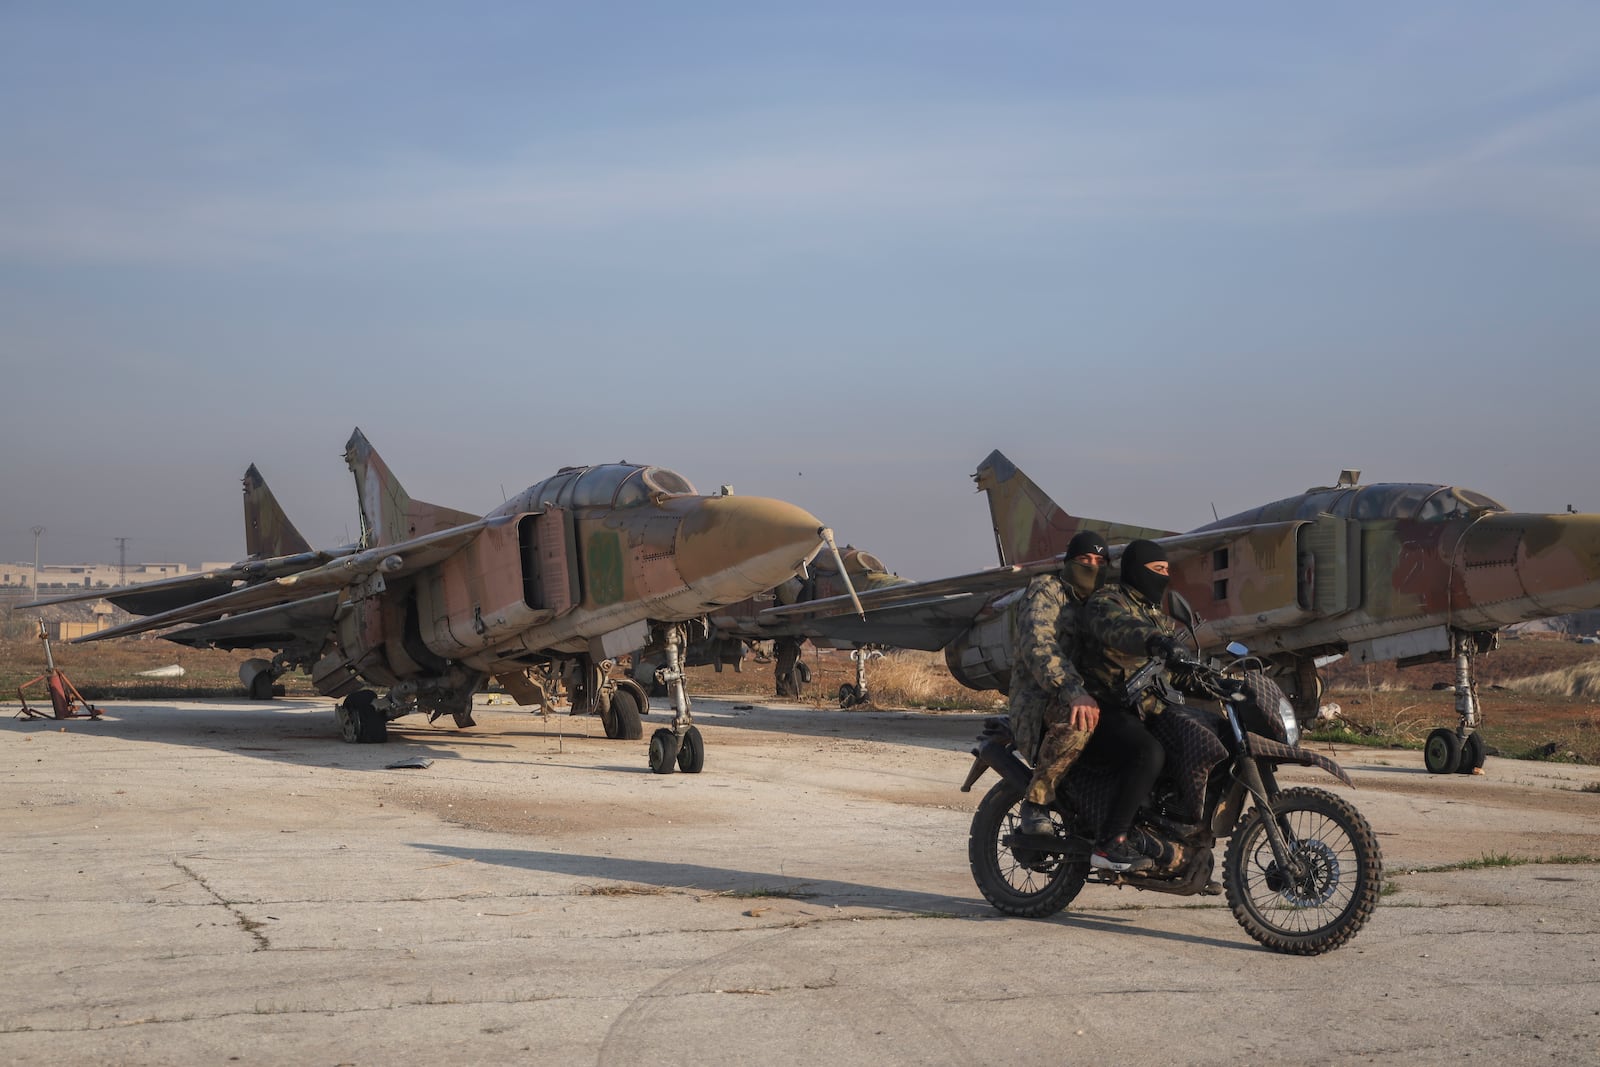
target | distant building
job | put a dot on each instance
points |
(63, 576)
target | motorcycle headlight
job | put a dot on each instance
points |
(1291, 725)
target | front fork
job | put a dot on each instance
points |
(1263, 786)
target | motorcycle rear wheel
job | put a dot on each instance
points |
(1018, 881)
(1337, 890)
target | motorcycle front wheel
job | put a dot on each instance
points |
(1327, 900)
(1017, 880)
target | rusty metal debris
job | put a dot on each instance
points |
(64, 696)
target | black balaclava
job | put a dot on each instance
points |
(1136, 576)
(1082, 577)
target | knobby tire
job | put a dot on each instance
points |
(1332, 904)
(1005, 880)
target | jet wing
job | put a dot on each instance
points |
(168, 594)
(925, 615)
(282, 626)
(389, 561)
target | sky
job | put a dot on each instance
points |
(1166, 257)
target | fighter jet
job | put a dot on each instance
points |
(731, 628)
(545, 591)
(1407, 572)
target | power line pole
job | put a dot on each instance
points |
(122, 560)
(37, 530)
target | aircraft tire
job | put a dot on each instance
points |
(1442, 754)
(372, 726)
(663, 751)
(622, 720)
(692, 752)
(1472, 753)
(349, 714)
(261, 686)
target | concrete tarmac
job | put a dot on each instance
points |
(225, 882)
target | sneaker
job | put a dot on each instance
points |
(1119, 855)
(1035, 819)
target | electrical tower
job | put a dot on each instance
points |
(122, 560)
(37, 530)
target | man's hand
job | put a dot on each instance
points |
(1165, 648)
(1085, 713)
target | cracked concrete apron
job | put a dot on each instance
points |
(218, 883)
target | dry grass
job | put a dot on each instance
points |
(1515, 724)
(624, 891)
(1580, 682)
(921, 680)
(109, 670)
(898, 679)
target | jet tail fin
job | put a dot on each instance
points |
(268, 533)
(388, 513)
(1028, 525)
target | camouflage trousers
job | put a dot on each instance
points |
(1062, 745)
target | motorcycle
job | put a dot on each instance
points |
(1302, 871)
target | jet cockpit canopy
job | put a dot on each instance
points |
(618, 485)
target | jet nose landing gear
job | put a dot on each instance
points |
(678, 747)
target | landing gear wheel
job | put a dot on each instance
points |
(1472, 753)
(261, 686)
(663, 751)
(1442, 754)
(1018, 881)
(692, 752)
(850, 696)
(352, 716)
(1329, 895)
(372, 726)
(802, 672)
(622, 720)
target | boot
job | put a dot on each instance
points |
(1035, 819)
(1119, 855)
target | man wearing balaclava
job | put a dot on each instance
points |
(1123, 625)
(1050, 710)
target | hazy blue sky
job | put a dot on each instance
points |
(1165, 258)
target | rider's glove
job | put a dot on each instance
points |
(1166, 649)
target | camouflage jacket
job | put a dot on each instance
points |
(1044, 628)
(1111, 642)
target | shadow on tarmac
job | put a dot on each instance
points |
(823, 892)
(295, 729)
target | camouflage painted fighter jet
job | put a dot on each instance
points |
(854, 570)
(544, 592)
(730, 629)
(1407, 572)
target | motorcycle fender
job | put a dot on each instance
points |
(1268, 749)
(998, 754)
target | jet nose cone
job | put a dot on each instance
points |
(733, 547)
(1561, 563)
(1515, 567)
